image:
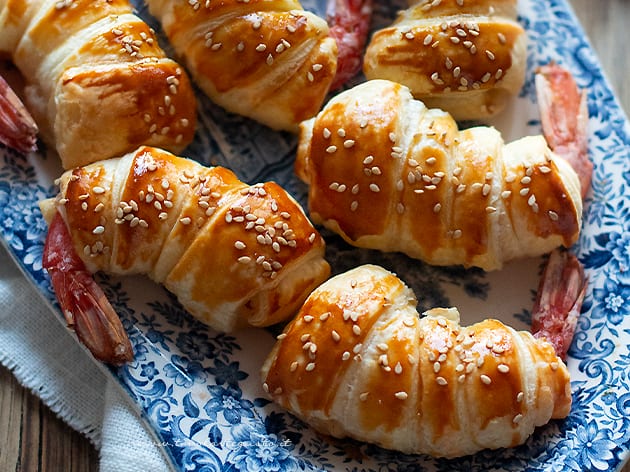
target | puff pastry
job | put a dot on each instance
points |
(358, 361)
(269, 60)
(386, 172)
(98, 83)
(468, 58)
(233, 254)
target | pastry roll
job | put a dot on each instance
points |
(98, 83)
(465, 57)
(386, 172)
(234, 254)
(358, 361)
(269, 60)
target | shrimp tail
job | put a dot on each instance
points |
(559, 300)
(349, 22)
(564, 119)
(18, 130)
(84, 305)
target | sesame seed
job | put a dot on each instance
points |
(503, 368)
(441, 381)
(401, 395)
(517, 419)
(240, 245)
(485, 379)
(310, 366)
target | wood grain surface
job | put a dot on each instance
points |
(32, 438)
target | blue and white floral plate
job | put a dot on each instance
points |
(200, 391)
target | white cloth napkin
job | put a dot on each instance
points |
(47, 360)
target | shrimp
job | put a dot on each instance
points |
(559, 301)
(18, 130)
(349, 22)
(85, 307)
(564, 119)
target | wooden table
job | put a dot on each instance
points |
(32, 438)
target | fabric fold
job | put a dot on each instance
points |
(48, 361)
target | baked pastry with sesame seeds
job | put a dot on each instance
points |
(234, 254)
(268, 60)
(386, 172)
(97, 82)
(465, 57)
(359, 361)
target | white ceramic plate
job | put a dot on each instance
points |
(200, 390)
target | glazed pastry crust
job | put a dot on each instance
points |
(98, 83)
(358, 361)
(467, 58)
(269, 60)
(385, 172)
(233, 254)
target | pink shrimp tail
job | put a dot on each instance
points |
(84, 305)
(564, 118)
(349, 22)
(17, 127)
(559, 301)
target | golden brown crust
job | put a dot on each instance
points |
(98, 83)
(468, 58)
(358, 361)
(268, 60)
(387, 173)
(233, 254)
